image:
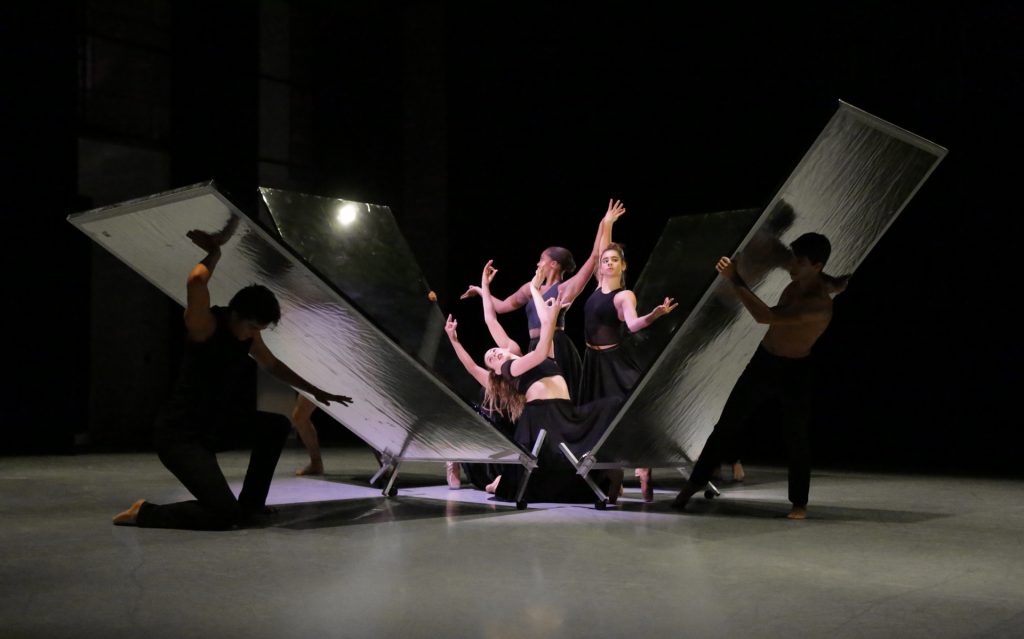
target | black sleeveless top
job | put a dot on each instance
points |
(532, 319)
(601, 323)
(211, 372)
(547, 368)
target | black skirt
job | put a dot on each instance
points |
(568, 360)
(482, 474)
(611, 372)
(555, 479)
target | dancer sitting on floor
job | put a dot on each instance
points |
(780, 369)
(608, 369)
(218, 344)
(556, 264)
(532, 392)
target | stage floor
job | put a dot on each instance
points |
(880, 556)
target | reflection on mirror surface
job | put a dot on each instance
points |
(347, 213)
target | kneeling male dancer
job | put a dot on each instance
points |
(218, 344)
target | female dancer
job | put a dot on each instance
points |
(530, 390)
(608, 370)
(556, 264)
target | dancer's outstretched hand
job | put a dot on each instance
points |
(327, 398)
(551, 307)
(210, 242)
(203, 240)
(450, 326)
(487, 274)
(615, 210)
(726, 268)
(538, 278)
(472, 291)
(665, 307)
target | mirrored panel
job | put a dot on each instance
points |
(850, 186)
(400, 407)
(359, 249)
(678, 268)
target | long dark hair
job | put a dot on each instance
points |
(502, 396)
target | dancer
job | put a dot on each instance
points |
(531, 391)
(608, 369)
(218, 344)
(781, 368)
(556, 264)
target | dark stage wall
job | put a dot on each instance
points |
(493, 132)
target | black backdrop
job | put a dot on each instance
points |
(548, 112)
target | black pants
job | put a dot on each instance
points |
(193, 461)
(766, 377)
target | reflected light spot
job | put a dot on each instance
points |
(347, 214)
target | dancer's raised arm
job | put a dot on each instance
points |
(573, 286)
(494, 327)
(806, 311)
(625, 303)
(547, 312)
(200, 323)
(512, 302)
(478, 372)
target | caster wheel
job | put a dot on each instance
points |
(520, 505)
(601, 505)
(393, 492)
(709, 494)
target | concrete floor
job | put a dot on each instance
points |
(881, 556)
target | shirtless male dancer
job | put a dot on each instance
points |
(780, 369)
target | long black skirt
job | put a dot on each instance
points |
(482, 474)
(611, 372)
(568, 360)
(555, 479)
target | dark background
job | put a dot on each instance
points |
(493, 132)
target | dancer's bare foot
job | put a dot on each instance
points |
(646, 487)
(493, 486)
(683, 498)
(798, 512)
(738, 474)
(130, 516)
(312, 468)
(452, 475)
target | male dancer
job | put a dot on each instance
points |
(780, 369)
(218, 344)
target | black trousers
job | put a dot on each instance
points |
(192, 459)
(766, 377)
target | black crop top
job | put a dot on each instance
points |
(601, 323)
(532, 320)
(547, 368)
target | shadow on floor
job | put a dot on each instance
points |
(405, 480)
(748, 509)
(349, 512)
